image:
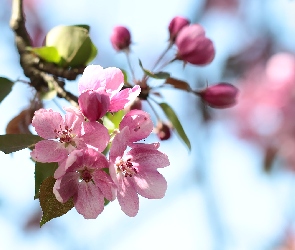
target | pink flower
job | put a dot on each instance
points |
(135, 172)
(106, 83)
(221, 95)
(193, 46)
(84, 180)
(175, 25)
(65, 135)
(139, 123)
(120, 38)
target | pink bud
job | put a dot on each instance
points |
(120, 38)
(221, 95)
(193, 46)
(163, 131)
(176, 24)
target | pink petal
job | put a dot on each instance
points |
(119, 144)
(139, 123)
(89, 200)
(46, 121)
(127, 197)
(96, 135)
(149, 158)
(66, 187)
(49, 151)
(94, 105)
(123, 98)
(104, 182)
(91, 78)
(114, 80)
(150, 184)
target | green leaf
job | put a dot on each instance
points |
(73, 45)
(178, 84)
(13, 142)
(48, 54)
(176, 123)
(5, 87)
(85, 26)
(51, 207)
(112, 120)
(157, 75)
(43, 171)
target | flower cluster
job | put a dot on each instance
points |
(76, 142)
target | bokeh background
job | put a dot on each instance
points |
(235, 190)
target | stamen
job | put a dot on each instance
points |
(126, 168)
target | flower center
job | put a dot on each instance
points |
(126, 168)
(65, 135)
(86, 175)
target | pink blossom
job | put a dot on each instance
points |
(193, 46)
(84, 180)
(65, 135)
(135, 172)
(120, 38)
(175, 25)
(107, 82)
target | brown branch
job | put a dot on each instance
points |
(40, 73)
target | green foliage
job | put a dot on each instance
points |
(48, 54)
(5, 87)
(43, 171)
(14, 142)
(169, 112)
(157, 75)
(112, 120)
(51, 207)
(178, 84)
(70, 46)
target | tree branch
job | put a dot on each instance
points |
(40, 73)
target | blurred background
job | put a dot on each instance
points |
(235, 190)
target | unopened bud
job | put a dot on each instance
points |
(193, 46)
(176, 24)
(221, 95)
(120, 38)
(163, 131)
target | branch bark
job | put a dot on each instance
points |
(39, 72)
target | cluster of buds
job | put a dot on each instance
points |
(194, 47)
(77, 141)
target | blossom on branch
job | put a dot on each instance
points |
(135, 172)
(62, 136)
(84, 180)
(100, 91)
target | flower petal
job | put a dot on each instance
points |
(65, 187)
(96, 135)
(114, 80)
(150, 184)
(148, 158)
(91, 78)
(49, 151)
(139, 123)
(89, 200)
(119, 144)
(94, 105)
(46, 121)
(127, 197)
(104, 182)
(123, 98)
